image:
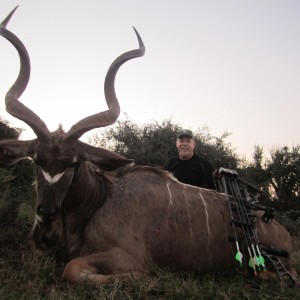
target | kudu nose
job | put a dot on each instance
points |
(48, 214)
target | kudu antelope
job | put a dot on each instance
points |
(112, 218)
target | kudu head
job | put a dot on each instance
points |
(59, 153)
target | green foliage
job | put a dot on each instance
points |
(7, 132)
(154, 143)
(151, 144)
(16, 190)
(256, 173)
(278, 177)
(284, 172)
(219, 152)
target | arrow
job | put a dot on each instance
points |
(252, 262)
(260, 258)
(239, 255)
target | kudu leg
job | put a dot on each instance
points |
(102, 268)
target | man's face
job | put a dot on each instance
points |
(185, 146)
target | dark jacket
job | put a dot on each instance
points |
(194, 171)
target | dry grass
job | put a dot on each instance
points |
(27, 275)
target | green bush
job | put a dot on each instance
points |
(16, 192)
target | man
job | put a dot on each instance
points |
(188, 167)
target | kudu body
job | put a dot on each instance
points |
(112, 218)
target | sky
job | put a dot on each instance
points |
(228, 65)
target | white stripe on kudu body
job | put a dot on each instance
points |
(188, 214)
(170, 194)
(206, 213)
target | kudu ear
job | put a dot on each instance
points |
(11, 151)
(102, 158)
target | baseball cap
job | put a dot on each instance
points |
(185, 132)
